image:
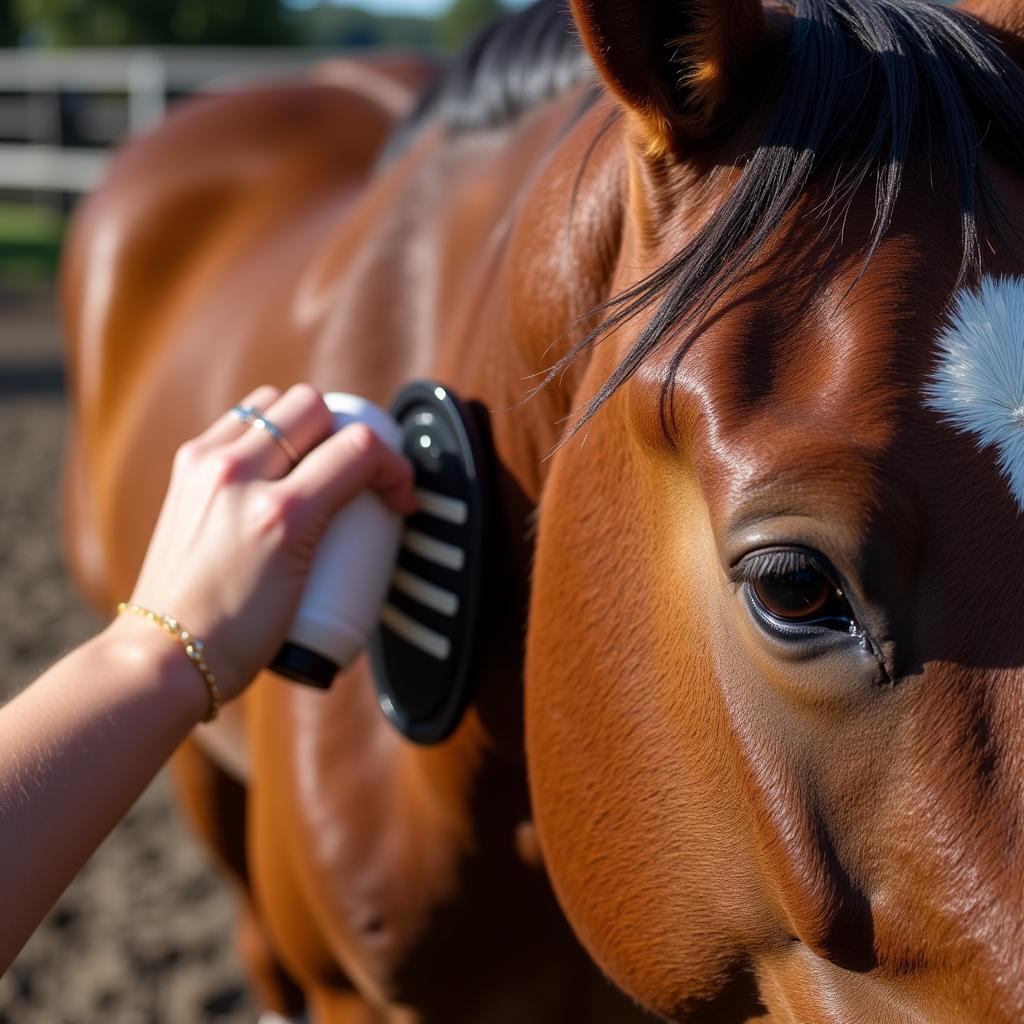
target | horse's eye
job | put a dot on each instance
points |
(789, 588)
(793, 595)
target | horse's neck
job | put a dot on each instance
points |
(557, 263)
(458, 263)
(477, 256)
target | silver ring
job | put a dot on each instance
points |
(245, 413)
(260, 422)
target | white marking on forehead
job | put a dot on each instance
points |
(979, 381)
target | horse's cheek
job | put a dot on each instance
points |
(636, 818)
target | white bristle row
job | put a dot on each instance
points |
(979, 381)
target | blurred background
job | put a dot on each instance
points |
(78, 76)
(146, 932)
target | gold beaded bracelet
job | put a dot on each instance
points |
(192, 645)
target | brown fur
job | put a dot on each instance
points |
(1005, 18)
(254, 262)
(733, 834)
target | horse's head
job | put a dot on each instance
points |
(775, 679)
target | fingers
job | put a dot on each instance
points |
(228, 427)
(354, 458)
(329, 472)
(301, 416)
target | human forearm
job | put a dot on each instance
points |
(76, 749)
(229, 558)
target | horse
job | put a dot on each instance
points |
(738, 291)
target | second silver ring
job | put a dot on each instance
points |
(254, 417)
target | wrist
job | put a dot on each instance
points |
(143, 650)
(192, 646)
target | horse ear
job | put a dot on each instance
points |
(675, 64)
(1005, 18)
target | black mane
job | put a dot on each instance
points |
(867, 88)
(510, 66)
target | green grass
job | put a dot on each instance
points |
(30, 241)
(29, 221)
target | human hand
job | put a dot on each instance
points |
(239, 527)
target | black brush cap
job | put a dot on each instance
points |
(304, 666)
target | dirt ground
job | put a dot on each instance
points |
(145, 933)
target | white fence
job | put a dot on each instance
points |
(135, 84)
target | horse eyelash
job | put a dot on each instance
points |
(777, 562)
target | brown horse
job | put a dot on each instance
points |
(773, 669)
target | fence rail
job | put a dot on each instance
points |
(49, 168)
(45, 94)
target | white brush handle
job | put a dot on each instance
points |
(354, 562)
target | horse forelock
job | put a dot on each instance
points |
(866, 91)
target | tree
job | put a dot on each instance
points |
(464, 17)
(352, 28)
(156, 22)
(8, 24)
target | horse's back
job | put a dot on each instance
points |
(178, 282)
